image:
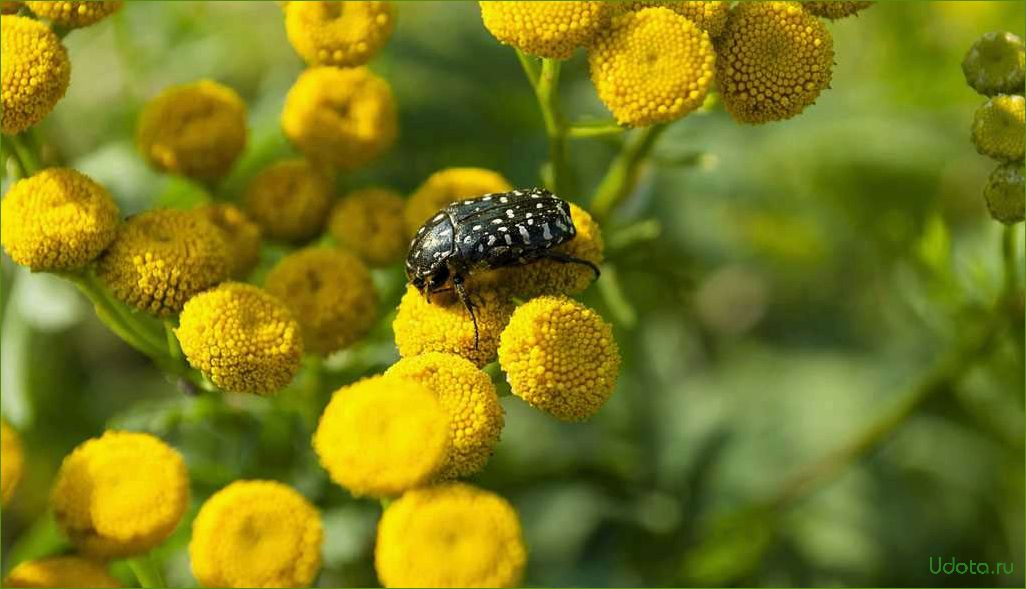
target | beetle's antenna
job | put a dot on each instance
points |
(457, 283)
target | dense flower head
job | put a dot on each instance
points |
(242, 338)
(560, 356)
(448, 186)
(651, 66)
(451, 535)
(444, 325)
(35, 72)
(120, 494)
(834, 10)
(382, 436)
(196, 130)
(330, 293)
(370, 222)
(340, 117)
(344, 34)
(241, 236)
(710, 16)
(544, 29)
(1004, 193)
(256, 533)
(468, 396)
(74, 14)
(289, 200)
(61, 571)
(995, 64)
(161, 258)
(773, 61)
(998, 127)
(57, 219)
(12, 460)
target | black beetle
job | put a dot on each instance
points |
(489, 231)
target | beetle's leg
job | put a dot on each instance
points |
(457, 284)
(568, 259)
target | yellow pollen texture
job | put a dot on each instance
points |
(710, 16)
(74, 14)
(448, 186)
(344, 34)
(35, 72)
(545, 29)
(370, 222)
(241, 236)
(289, 200)
(998, 127)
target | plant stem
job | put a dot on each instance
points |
(545, 83)
(622, 175)
(589, 130)
(146, 571)
(12, 152)
(27, 159)
(112, 317)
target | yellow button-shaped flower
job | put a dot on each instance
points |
(382, 436)
(35, 72)
(710, 16)
(370, 222)
(242, 338)
(58, 219)
(452, 535)
(1004, 194)
(545, 29)
(996, 64)
(289, 200)
(345, 34)
(12, 460)
(448, 186)
(560, 356)
(61, 571)
(74, 15)
(241, 236)
(998, 127)
(256, 534)
(120, 494)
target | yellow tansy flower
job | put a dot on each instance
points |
(58, 219)
(651, 66)
(61, 571)
(74, 14)
(382, 436)
(120, 494)
(468, 397)
(834, 10)
(196, 130)
(444, 325)
(340, 117)
(773, 60)
(545, 29)
(35, 72)
(256, 534)
(12, 460)
(448, 186)
(161, 258)
(289, 200)
(998, 127)
(452, 535)
(329, 292)
(1004, 194)
(242, 338)
(560, 357)
(370, 222)
(710, 16)
(241, 235)
(995, 64)
(342, 34)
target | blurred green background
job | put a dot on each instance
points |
(776, 290)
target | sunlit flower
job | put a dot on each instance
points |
(998, 127)
(452, 535)
(370, 222)
(343, 34)
(1004, 193)
(545, 29)
(834, 10)
(444, 325)
(470, 400)
(120, 494)
(382, 436)
(560, 356)
(289, 200)
(161, 258)
(993, 65)
(329, 292)
(74, 14)
(773, 60)
(710, 16)
(35, 72)
(340, 117)
(58, 219)
(196, 130)
(256, 534)
(241, 235)
(61, 571)
(242, 338)
(448, 186)
(12, 460)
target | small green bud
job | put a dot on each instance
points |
(994, 64)
(1005, 194)
(998, 127)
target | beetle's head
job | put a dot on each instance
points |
(426, 263)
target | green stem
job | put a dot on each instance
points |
(590, 130)
(12, 152)
(174, 349)
(107, 311)
(1008, 256)
(26, 157)
(530, 67)
(146, 571)
(545, 82)
(622, 175)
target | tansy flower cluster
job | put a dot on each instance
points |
(994, 67)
